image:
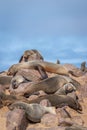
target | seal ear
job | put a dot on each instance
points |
(21, 59)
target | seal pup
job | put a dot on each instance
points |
(47, 66)
(34, 111)
(31, 55)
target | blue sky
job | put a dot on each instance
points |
(57, 28)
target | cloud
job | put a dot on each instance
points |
(58, 29)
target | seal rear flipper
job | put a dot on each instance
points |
(76, 75)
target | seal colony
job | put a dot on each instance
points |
(55, 81)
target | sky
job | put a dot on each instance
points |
(56, 28)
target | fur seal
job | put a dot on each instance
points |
(55, 100)
(34, 111)
(39, 68)
(47, 66)
(58, 61)
(49, 85)
(30, 55)
(60, 101)
(67, 88)
(5, 80)
(17, 80)
(83, 66)
(6, 100)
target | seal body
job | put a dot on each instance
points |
(34, 111)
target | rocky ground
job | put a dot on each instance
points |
(65, 117)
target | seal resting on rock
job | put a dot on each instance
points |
(49, 85)
(60, 101)
(5, 80)
(83, 66)
(31, 55)
(47, 66)
(34, 111)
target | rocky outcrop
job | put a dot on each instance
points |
(62, 87)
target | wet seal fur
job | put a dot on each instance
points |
(47, 66)
(33, 111)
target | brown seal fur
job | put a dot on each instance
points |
(83, 66)
(14, 69)
(47, 66)
(17, 80)
(6, 100)
(5, 80)
(33, 111)
(30, 55)
(49, 85)
(59, 101)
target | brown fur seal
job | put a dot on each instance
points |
(83, 66)
(17, 80)
(30, 55)
(67, 88)
(58, 61)
(34, 111)
(5, 80)
(6, 100)
(55, 100)
(49, 85)
(59, 101)
(48, 66)
(39, 68)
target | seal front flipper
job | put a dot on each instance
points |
(42, 71)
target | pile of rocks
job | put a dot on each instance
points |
(40, 95)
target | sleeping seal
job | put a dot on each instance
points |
(34, 111)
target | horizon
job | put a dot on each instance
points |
(57, 29)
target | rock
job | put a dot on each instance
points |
(78, 120)
(45, 128)
(63, 113)
(65, 122)
(49, 120)
(76, 127)
(16, 120)
(32, 97)
(42, 93)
